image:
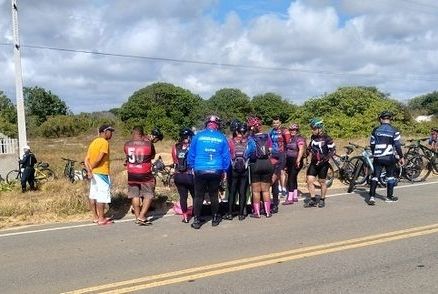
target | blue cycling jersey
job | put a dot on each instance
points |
(385, 141)
(209, 151)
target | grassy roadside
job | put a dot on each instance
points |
(61, 201)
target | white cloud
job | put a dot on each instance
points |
(387, 44)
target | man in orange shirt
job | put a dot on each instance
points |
(97, 163)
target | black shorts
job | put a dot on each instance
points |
(281, 162)
(319, 170)
(261, 171)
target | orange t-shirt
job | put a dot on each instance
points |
(96, 147)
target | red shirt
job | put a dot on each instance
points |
(139, 155)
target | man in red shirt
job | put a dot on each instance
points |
(141, 183)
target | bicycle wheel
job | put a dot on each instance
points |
(44, 175)
(14, 176)
(397, 175)
(417, 169)
(363, 173)
(358, 169)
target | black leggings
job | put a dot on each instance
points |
(184, 185)
(239, 184)
(292, 172)
(206, 182)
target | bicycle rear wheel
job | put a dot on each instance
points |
(417, 168)
(44, 175)
(362, 175)
(14, 176)
(358, 170)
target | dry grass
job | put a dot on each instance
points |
(61, 201)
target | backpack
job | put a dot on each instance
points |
(181, 154)
(239, 162)
(262, 148)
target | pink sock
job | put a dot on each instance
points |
(256, 208)
(267, 207)
(290, 197)
(295, 197)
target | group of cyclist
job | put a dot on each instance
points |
(249, 158)
(263, 162)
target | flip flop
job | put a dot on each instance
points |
(141, 222)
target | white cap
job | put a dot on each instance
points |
(26, 147)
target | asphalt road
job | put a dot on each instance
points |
(347, 247)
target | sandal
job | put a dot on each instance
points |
(142, 222)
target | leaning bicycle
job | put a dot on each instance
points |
(420, 160)
(73, 174)
(43, 174)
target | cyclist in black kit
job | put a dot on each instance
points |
(183, 175)
(321, 148)
(239, 171)
(385, 143)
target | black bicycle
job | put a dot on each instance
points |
(420, 161)
(71, 173)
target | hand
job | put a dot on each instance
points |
(224, 176)
(298, 164)
(401, 161)
(89, 174)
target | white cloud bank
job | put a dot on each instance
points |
(387, 44)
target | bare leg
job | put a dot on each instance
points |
(92, 205)
(283, 180)
(136, 204)
(100, 209)
(311, 185)
(323, 188)
(145, 208)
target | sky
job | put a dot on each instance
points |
(297, 49)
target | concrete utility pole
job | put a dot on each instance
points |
(22, 138)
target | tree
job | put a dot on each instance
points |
(8, 116)
(353, 111)
(269, 105)
(41, 104)
(230, 104)
(162, 105)
(425, 104)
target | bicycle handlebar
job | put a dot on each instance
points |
(67, 159)
(418, 140)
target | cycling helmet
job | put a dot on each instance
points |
(294, 126)
(243, 128)
(316, 123)
(254, 121)
(186, 133)
(157, 134)
(234, 125)
(386, 114)
(213, 119)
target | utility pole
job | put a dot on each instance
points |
(22, 138)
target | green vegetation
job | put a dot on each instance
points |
(348, 112)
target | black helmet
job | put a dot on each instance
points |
(434, 129)
(234, 125)
(243, 128)
(157, 133)
(386, 114)
(185, 133)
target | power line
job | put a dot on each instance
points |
(228, 65)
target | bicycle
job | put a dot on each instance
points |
(165, 173)
(71, 173)
(43, 174)
(421, 161)
(363, 169)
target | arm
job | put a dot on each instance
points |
(226, 156)
(301, 149)
(192, 153)
(174, 157)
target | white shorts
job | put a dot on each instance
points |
(100, 188)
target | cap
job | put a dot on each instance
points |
(26, 147)
(104, 128)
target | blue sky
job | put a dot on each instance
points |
(314, 47)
